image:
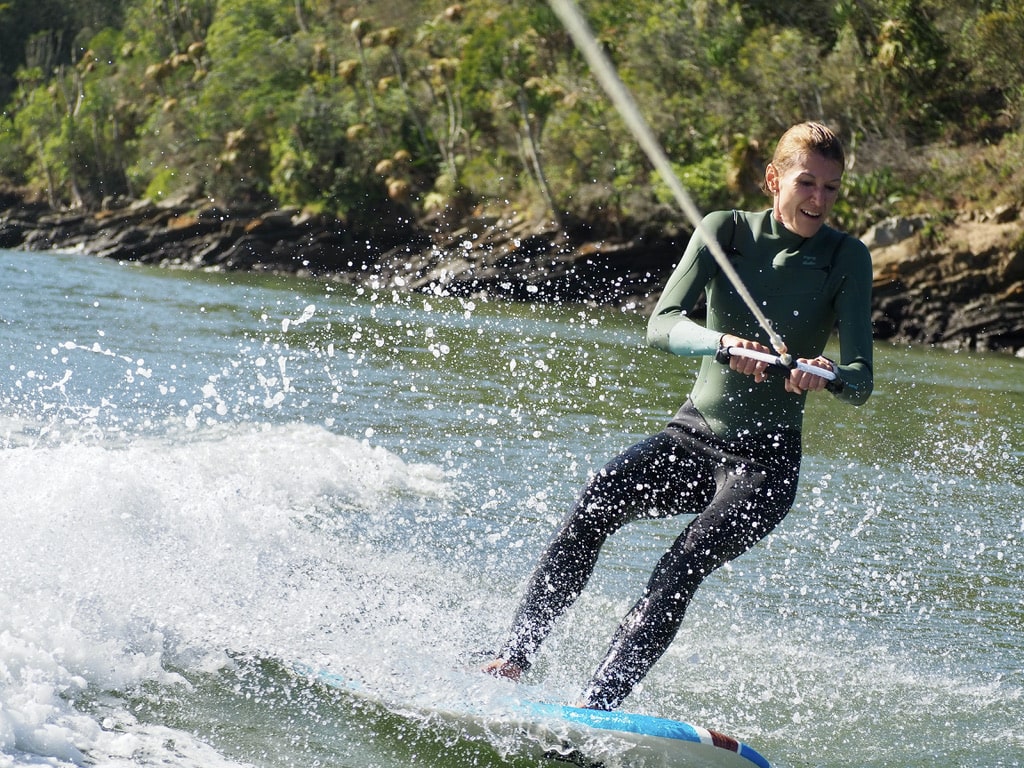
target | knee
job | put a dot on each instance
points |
(589, 524)
(611, 499)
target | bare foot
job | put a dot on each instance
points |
(502, 668)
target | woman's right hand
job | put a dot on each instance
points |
(745, 365)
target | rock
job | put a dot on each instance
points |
(1004, 214)
(893, 230)
(11, 235)
(962, 286)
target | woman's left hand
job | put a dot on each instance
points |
(799, 381)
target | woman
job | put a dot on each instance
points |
(731, 455)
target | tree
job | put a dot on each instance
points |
(997, 41)
(230, 99)
(395, 108)
(38, 121)
(506, 85)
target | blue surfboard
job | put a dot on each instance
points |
(675, 739)
(588, 738)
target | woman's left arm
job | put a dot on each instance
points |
(853, 309)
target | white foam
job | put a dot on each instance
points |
(123, 561)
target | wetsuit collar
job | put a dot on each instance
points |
(789, 239)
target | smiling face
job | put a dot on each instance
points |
(804, 191)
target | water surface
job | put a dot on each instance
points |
(207, 477)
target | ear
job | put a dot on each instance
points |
(771, 179)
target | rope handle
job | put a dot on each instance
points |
(780, 366)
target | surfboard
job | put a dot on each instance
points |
(680, 743)
(559, 734)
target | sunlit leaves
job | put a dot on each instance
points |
(300, 103)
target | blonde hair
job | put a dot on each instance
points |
(807, 137)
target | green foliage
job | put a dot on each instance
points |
(162, 185)
(705, 180)
(39, 125)
(998, 39)
(363, 109)
(866, 198)
(12, 160)
(47, 33)
(325, 159)
(246, 93)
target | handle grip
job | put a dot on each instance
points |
(776, 366)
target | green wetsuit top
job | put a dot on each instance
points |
(805, 286)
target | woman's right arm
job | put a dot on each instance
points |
(669, 327)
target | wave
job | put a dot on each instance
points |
(126, 561)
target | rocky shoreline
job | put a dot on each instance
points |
(956, 284)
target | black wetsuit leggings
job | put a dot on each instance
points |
(739, 490)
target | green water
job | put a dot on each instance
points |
(203, 472)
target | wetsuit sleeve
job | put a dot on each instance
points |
(670, 328)
(853, 310)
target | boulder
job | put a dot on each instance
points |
(957, 285)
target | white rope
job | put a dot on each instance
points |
(606, 75)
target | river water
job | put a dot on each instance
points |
(208, 477)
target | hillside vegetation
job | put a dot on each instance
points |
(402, 109)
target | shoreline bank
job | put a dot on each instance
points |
(957, 285)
